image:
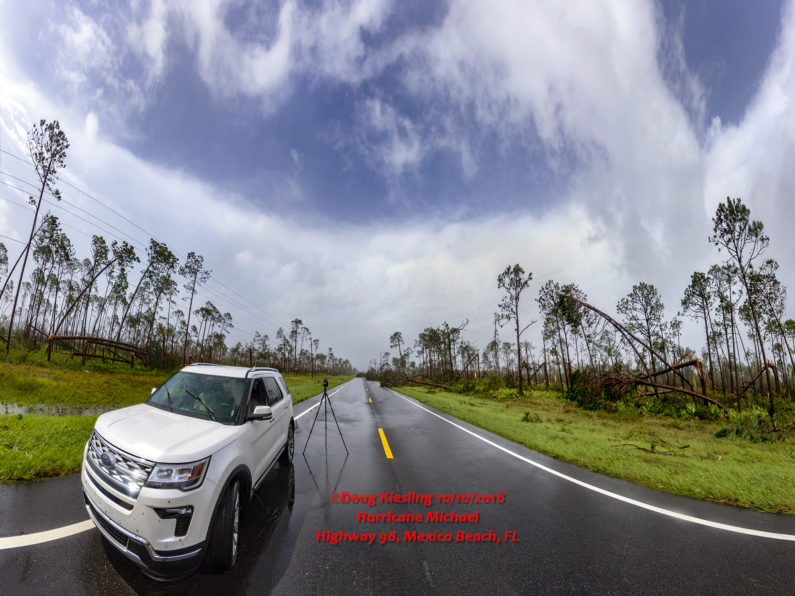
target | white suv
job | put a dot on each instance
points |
(163, 480)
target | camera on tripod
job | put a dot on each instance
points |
(325, 405)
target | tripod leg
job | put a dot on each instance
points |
(313, 424)
(325, 421)
(338, 426)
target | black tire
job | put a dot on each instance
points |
(289, 446)
(223, 547)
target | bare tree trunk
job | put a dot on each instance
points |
(26, 251)
(709, 350)
(187, 324)
(79, 296)
(546, 370)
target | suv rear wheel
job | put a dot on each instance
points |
(222, 550)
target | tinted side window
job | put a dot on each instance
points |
(274, 393)
(259, 395)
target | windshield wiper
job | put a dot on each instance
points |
(170, 405)
(202, 402)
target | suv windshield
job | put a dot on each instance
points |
(221, 394)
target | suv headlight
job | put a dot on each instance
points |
(181, 476)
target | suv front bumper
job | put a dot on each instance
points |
(158, 564)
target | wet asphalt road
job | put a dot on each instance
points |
(562, 538)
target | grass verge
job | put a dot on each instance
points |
(34, 446)
(758, 475)
(27, 384)
(305, 386)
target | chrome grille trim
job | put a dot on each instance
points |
(128, 474)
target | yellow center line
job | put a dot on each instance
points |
(387, 450)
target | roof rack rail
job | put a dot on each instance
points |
(204, 364)
(258, 368)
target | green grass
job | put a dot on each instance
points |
(63, 359)
(758, 475)
(27, 384)
(34, 447)
(55, 386)
(305, 386)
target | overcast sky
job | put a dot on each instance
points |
(371, 166)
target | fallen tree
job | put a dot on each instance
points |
(622, 384)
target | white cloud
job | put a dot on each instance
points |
(319, 42)
(751, 160)
(324, 41)
(148, 39)
(330, 37)
(687, 86)
(388, 138)
(587, 81)
(229, 65)
(352, 285)
(92, 125)
(86, 49)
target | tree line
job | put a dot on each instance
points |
(114, 303)
(739, 303)
(294, 350)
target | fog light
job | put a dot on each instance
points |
(173, 512)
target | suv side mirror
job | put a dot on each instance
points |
(261, 413)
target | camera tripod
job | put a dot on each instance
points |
(325, 403)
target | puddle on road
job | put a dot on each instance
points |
(50, 410)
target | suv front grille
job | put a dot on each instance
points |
(124, 472)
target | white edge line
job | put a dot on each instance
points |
(642, 505)
(39, 537)
(8, 542)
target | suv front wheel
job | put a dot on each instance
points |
(289, 446)
(222, 550)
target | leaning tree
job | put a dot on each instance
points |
(47, 145)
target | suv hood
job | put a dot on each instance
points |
(163, 436)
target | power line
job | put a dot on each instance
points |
(53, 204)
(17, 204)
(106, 207)
(15, 156)
(14, 239)
(84, 193)
(12, 186)
(241, 303)
(264, 313)
(90, 196)
(214, 294)
(10, 175)
(110, 225)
